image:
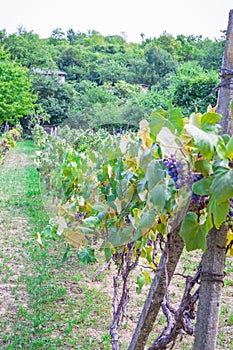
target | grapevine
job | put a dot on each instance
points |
(126, 190)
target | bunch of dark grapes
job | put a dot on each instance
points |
(79, 217)
(171, 165)
(176, 170)
(196, 198)
(183, 177)
(229, 221)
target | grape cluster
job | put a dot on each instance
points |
(79, 217)
(171, 165)
(182, 176)
(176, 170)
(229, 221)
(196, 198)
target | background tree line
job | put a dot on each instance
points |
(104, 75)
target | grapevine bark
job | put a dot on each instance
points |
(175, 245)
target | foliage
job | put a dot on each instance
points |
(8, 140)
(56, 99)
(130, 180)
(110, 60)
(29, 50)
(16, 97)
(194, 87)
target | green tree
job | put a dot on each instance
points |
(31, 51)
(193, 86)
(16, 96)
(57, 99)
(159, 64)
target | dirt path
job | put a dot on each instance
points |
(14, 233)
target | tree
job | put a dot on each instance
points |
(57, 99)
(16, 96)
(159, 64)
(192, 86)
(31, 51)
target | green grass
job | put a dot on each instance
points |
(53, 305)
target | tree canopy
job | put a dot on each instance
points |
(160, 63)
(16, 97)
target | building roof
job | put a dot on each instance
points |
(49, 72)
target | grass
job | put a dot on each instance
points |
(45, 304)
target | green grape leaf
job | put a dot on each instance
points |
(204, 167)
(203, 141)
(210, 118)
(172, 119)
(141, 281)
(147, 220)
(221, 148)
(219, 211)
(193, 234)
(119, 236)
(158, 195)
(157, 123)
(87, 256)
(92, 221)
(155, 172)
(175, 120)
(108, 253)
(100, 207)
(145, 159)
(229, 148)
(202, 187)
(222, 184)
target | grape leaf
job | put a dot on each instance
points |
(229, 147)
(221, 148)
(108, 253)
(202, 187)
(92, 221)
(203, 141)
(222, 185)
(193, 234)
(158, 195)
(210, 118)
(141, 281)
(203, 166)
(87, 256)
(155, 172)
(219, 211)
(119, 236)
(173, 120)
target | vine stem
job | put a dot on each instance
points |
(119, 303)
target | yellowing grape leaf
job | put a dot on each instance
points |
(144, 133)
(75, 237)
(230, 242)
(39, 240)
(61, 225)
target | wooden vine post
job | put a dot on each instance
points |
(225, 95)
(213, 261)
